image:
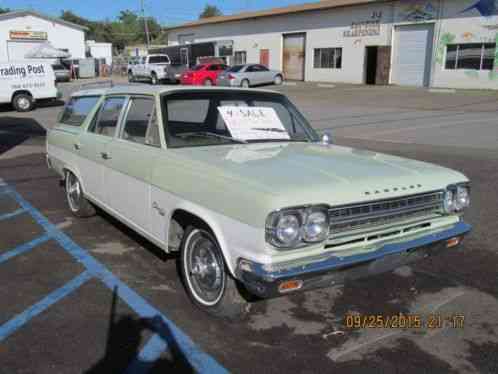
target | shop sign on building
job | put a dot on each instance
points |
(27, 35)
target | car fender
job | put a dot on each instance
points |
(213, 222)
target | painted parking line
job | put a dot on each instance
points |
(23, 248)
(12, 325)
(166, 330)
(12, 214)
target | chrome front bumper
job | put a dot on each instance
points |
(265, 282)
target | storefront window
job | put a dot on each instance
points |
(470, 56)
(327, 58)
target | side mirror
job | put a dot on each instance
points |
(326, 138)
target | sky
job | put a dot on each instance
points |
(165, 11)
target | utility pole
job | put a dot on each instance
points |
(146, 26)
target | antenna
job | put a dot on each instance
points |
(146, 26)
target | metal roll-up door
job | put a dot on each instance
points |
(412, 55)
(294, 56)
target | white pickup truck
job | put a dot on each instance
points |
(156, 69)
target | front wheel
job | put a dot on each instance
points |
(23, 102)
(206, 277)
(130, 77)
(278, 80)
(77, 203)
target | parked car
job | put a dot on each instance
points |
(62, 74)
(203, 74)
(240, 185)
(24, 83)
(156, 69)
(249, 75)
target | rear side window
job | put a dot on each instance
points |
(236, 68)
(77, 109)
(139, 119)
(106, 121)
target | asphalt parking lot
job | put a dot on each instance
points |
(89, 295)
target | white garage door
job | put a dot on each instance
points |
(17, 50)
(413, 51)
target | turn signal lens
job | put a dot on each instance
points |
(288, 286)
(452, 242)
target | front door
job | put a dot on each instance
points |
(132, 156)
(92, 147)
(264, 57)
(294, 56)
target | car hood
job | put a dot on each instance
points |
(291, 174)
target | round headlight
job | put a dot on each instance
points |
(316, 227)
(462, 198)
(449, 201)
(287, 228)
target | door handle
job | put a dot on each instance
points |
(105, 155)
(77, 146)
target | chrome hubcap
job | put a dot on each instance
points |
(23, 103)
(205, 269)
(73, 192)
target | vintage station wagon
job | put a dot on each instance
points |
(242, 187)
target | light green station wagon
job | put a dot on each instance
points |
(241, 186)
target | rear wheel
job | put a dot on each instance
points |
(23, 102)
(130, 77)
(208, 82)
(206, 277)
(77, 203)
(245, 83)
(153, 79)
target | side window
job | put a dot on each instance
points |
(250, 69)
(106, 121)
(137, 120)
(213, 68)
(222, 67)
(261, 68)
(77, 109)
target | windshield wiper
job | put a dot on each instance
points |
(206, 134)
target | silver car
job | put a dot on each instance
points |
(249, 75)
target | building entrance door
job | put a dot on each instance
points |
(294, 56)
(264, 57)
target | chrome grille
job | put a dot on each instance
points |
(382, 212)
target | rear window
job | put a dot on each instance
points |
(158, 60)
(77, 109)
(236, 68)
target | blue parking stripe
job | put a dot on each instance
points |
(18, 321)
(23, 248)
(147, 356)
(12, 214)
(198, 359)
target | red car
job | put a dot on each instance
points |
(203, 74)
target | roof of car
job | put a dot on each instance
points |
(144, 89)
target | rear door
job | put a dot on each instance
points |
(132, 156)
(92, 146)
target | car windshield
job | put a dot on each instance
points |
(209, 118)
(235, 69)
(198, 67)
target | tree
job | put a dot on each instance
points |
(210, 11)
(4, 10)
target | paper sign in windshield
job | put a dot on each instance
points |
(253, 123)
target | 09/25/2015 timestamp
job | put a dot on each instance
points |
(404, 321)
